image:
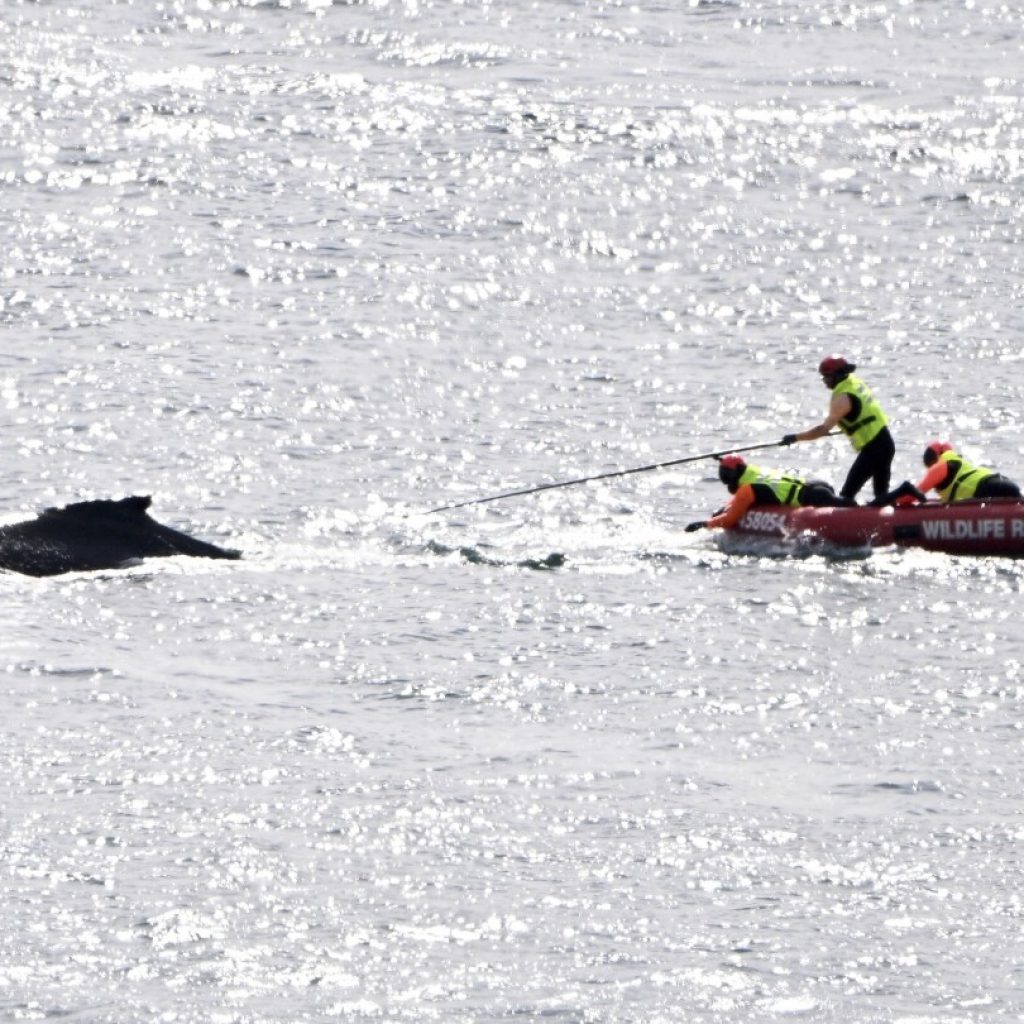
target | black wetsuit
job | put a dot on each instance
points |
(812, 492)
(820, 495)
(997, 486)
(873, 462)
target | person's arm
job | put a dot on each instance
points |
(736, 510)
(935, 477)
(839, 407)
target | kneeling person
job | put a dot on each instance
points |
(751, 486)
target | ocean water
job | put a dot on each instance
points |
(303, 271)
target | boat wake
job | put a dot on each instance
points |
(799, 546)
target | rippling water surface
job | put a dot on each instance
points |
(304, 270)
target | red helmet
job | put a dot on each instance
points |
(730, 469)
(934, 450)
(831, 366)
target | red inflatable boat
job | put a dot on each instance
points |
(993, 526)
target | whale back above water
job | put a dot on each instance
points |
(90, 535)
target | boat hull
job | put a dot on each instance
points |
(977, 527)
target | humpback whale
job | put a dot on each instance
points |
(90, 535)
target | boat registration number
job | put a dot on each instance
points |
(764, 522)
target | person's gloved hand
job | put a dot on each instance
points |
(908, 494)
(789, 439)
(699, 525)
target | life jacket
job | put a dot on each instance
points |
(772, 488)
(869, 421)
(963, 478)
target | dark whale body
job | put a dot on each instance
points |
(90, 535)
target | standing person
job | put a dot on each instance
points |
(751, 486)
(855, 410)
(955, 479)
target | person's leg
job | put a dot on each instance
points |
(905, 490)
(819, 494)
(997, 486)
(860, 472)
(883, 450)
(874, 463)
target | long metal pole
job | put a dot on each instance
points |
(607, 476)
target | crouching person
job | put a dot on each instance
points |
(955, 479)
(751, 486)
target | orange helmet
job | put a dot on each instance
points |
(934, 450)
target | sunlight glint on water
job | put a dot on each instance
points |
(304, 270)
